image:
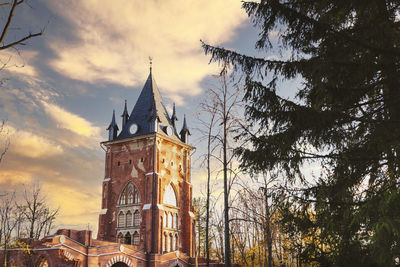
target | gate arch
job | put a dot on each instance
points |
(119, 261)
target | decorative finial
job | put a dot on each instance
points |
(151, 63)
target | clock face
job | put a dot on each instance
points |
(169, 131)
(133, 128)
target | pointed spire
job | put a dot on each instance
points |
(125, 116)
(112, 128)
(185, 131)
(174, 118)
(149, 113)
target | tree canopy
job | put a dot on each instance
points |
(345, 117)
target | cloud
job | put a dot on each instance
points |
(30, 145)
(11, 178)
(115, 38)
(19, 62)
(70, 121)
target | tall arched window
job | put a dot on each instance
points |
(168, 243)
(136, 218)
(136, 196)
(136, 238)
(171, 241)
(122, 200)
(129, 195)
(129, 218)
(128, 238)
(176, 242)
(121, 219)
(169, 196)
(170, 220)
(176, 221)
(165, 220)
(165, 242)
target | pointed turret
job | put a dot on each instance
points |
(149, 114)
(174, 118)
(125, 116)
(185, 131)
(112, 128)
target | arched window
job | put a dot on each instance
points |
(168, 240)
(165, 220)
(169, 196)
(128, 238)
(136, 238)
(165, 242)
(121, 219)
(170, 220)
(176, 242)
(136, 196)
(171, 241)
(129, 218)
(122, 200)
(136, 218)
(120, 238)
(176, 221)
(130, 195)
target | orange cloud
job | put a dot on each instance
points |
(12, 178)
(30, 145)
(70, 121)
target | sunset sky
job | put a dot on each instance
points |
(60, 90)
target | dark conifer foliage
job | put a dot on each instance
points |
(346, 117)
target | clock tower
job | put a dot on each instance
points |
(147, 190)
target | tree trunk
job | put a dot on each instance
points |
(225, 163)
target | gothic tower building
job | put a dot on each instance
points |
(147, 190)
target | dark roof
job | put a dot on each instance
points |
(149, 112)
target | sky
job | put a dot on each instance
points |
(58, 91)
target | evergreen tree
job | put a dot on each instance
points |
(346, 117)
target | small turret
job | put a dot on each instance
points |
(112, 128)
(125, 116)
(185, 131)
(174, 118)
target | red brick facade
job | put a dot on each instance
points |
(150, 163)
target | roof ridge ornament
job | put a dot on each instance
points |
(174, 118)
(151, 63)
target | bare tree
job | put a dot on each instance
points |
(4, 139)
(207, 130)
(221, 105)
(39, 216)
(9, 216)
(4, 43)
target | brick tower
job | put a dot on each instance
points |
(147, 191)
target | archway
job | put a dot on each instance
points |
(119, 264)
